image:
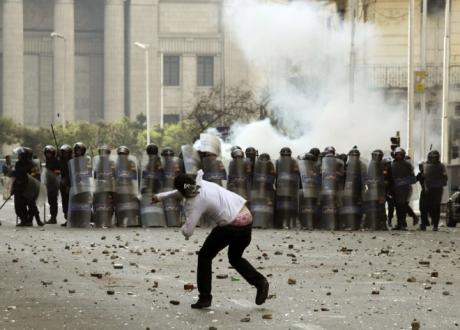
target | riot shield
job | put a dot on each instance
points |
(239, 171)
(51, 181)
(80, 195)
(104, 189)
(434, 175)
(191, 158)
(126, 200)
(152, 215)
(310, 179)
(214, 170)
(330, 175)
(374, 197)
(403, 178)
(32, 189)
(210, 144)
(262, 194)
(351, 210)
(152, 175)
(171, 166)
(287, 188)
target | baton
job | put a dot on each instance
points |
(9, 197)
(54, 136)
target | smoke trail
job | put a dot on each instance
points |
(299, 53)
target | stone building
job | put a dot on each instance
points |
(76, 59)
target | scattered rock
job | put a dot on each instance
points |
(189, 286)
(110, 292)
(424, 262)
(292, 281)
(98, 275)
(245, 319)
(117, 266)
(415, 325)
(174, 302)
(267, 316)
(375, 292)
(445, 293)
(45, 283)
(434, 274)
(412, 279)
(71, 290)
(222, 276)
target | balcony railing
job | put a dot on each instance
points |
(395, 75)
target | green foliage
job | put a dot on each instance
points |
(124, 132)
(8, 131)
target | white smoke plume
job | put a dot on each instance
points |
(299, 53)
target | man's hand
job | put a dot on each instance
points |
(155, 199)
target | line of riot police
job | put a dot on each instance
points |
(318, 190)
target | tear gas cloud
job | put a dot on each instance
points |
(299, 53)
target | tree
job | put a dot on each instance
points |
(8, 131)
(239, 105)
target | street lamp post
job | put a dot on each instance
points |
(145, 48)
(56, 35)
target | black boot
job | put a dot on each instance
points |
(51, 221)
(202, 303)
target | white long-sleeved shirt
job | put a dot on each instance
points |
(212, 201)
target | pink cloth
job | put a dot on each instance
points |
(243, 218)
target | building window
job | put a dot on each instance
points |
(205, 71)
(170, 119)
(171, 70)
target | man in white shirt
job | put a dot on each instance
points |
(234, 227)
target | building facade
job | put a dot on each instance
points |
(66, 60)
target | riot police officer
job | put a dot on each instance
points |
(172, 168)
(403, 178)
(80, 196)
(104, 188)
(65, 154)
(126, 188)
(239, 171)
(51, 177)
(432, 178)
(287, 187)
(25, 188)
(263, 192)
(152, 215)
(375, 193)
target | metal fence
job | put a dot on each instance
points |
(395, 75)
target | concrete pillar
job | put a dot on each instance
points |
(64, 61)
(13, 60)
(143, 28)
(189, 68)
(114, 60)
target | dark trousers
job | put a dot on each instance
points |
(65, 199)
(430, 206)
(20, 207)
(53, 202)
(401, 214)
(237, 239)
(25, 209)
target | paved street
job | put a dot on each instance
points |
(56, 278)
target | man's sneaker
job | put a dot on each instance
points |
(415, 221)
(262, 293)
(202, 303)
